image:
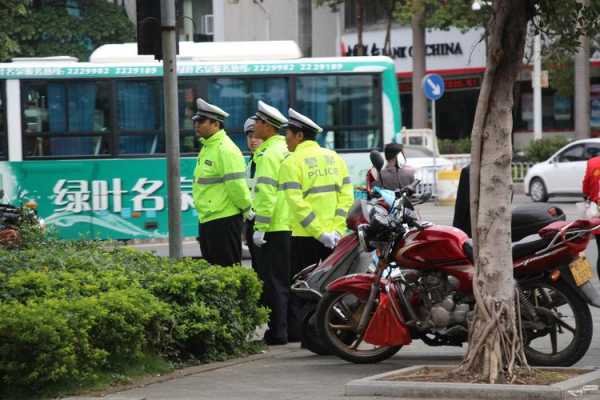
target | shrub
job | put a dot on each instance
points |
(458, 146)
(542, 149)
(49, 340)
(71, 310)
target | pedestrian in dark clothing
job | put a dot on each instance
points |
(394, 176)
(462, 207)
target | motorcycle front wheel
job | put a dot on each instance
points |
(562, 333)
(337, 320)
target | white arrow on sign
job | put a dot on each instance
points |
(435, 89)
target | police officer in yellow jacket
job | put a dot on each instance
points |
(271, 222)
(318, 190)
(220, 192)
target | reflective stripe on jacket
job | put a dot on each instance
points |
(270, 206)
(317, 188)
(219, 189)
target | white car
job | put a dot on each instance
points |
(562, 174)
(421, 159)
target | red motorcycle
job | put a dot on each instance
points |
(422, 289)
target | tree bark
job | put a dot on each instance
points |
(495, 343)
(419, 103)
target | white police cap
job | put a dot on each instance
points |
(249, 124)
(206, 110)
(270, 115)
(302, 121)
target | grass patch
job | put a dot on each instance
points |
(123, 374)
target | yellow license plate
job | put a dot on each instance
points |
(581, 270)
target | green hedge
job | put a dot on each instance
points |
(542, 149)
(72, 310)
(455, 146)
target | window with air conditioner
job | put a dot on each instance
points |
(207, 25)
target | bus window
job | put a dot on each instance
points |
(65, 118)
(3, 141)
(346, 106)
(239, 98)
(140, 117)
(189, 90)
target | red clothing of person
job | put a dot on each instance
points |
(591, 180)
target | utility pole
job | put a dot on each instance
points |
(536, 83)
(169, 45)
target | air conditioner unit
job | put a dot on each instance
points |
(207, 24)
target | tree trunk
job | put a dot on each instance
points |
(305, 27)
(360, 20)
(495, 343)
(389, 7)
(582, 87)
(419, 103)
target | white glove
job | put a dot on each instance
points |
(328, 239)
(337, 238)
(258, 238)
(249, 215)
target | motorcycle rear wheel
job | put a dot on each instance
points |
(337, 319)
(568, 325)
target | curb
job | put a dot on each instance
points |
(271, 352)
(377, 385)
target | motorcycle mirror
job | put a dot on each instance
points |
(376, 160)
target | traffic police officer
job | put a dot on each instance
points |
(252, 142)
(271, 223)
(220, 192)
(318, 190)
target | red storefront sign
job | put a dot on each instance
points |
(450, 84)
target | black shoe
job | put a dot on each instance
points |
(273, 341)
(294, 339)
(276, 342)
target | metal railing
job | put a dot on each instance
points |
(519, 169)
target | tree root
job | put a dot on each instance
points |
(495, 349)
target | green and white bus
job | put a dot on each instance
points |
(86, 140)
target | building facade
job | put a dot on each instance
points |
(458, 56)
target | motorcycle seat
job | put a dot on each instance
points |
(520, 249)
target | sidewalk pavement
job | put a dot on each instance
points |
(282, 372)
(290, 373)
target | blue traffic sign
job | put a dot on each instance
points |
(433, 86)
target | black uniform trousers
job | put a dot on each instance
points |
(248, 232)
(273, 261)
(305, 251)
(221, 240)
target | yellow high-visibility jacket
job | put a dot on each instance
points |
(270, 206)
(220, 188)
(317, 188)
